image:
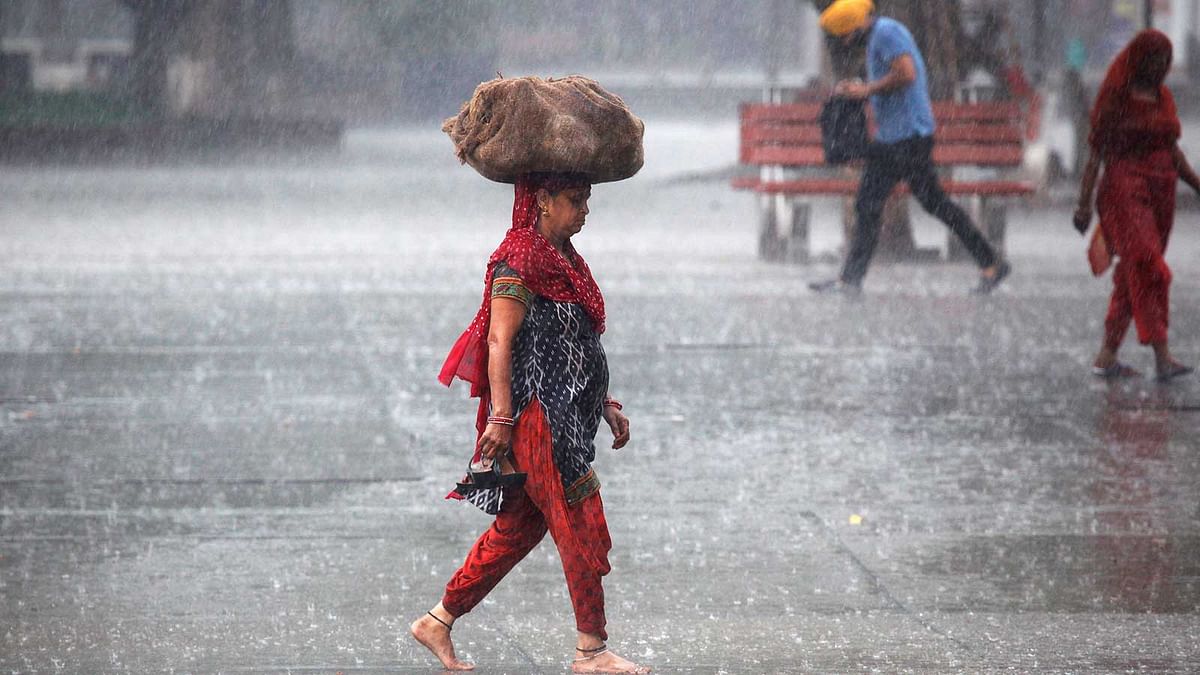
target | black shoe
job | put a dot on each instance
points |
(989, 284)
(835, 287)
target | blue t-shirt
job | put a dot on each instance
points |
(900, 113)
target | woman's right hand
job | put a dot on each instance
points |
(495, 441)
(1083, 218)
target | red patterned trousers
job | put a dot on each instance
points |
(1137, 212)
(526, 514)
(1141, 293)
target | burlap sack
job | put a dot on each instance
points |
(513, 126)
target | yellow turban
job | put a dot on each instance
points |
(846, 16)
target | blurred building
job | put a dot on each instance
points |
(1087, 34)
(371, 60)
(63, 45)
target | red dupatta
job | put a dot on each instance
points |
(1145, 62)
(544, 271)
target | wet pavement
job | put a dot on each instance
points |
(222, 446)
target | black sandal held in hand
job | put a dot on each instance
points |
(489, 478)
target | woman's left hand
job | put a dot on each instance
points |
(1083, 217)
(619, 423)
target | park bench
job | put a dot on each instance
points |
(977, 147)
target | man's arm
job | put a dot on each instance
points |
(902, 73)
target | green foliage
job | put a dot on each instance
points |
(71, 109)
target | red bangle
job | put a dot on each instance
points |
(506, 421)
(613, 403)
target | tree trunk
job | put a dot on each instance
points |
(937, 27)
(273, 77)
(252, 50)
(155, 26)
(49, 24)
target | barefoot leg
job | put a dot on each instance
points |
(592, 656)
(433, 632)
(1105, 358)
(1166, 365)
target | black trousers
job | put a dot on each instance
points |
(910, 161)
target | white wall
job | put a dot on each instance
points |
(1177, 18)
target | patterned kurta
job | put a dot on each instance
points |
(558, 359)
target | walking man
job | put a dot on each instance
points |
(899, 94)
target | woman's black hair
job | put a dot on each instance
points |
(556, 182)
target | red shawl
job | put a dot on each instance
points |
(544, 270)
(1120, 125)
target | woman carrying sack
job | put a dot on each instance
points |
(1135, 131)
(533, 357)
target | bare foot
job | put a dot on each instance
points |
(435, 636)
(607, 662)
(1171, 370)
(1165, 364)
(1105, 358)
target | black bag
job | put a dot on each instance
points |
(844, 130)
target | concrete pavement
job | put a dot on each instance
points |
(224, 450)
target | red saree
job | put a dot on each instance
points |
(1136, 203)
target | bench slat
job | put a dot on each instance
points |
(810, 134)
(780, 112)
(849, 186)
(943, 111)
(992, 110)
(949, 153)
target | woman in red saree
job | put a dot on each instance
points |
(1134, 134)
(533, 358)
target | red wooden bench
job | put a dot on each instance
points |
(977, 144)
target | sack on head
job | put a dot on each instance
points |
(515, 126)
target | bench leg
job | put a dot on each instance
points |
(991, 216)
(797, 240)
(792, 245)
(770, 245)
